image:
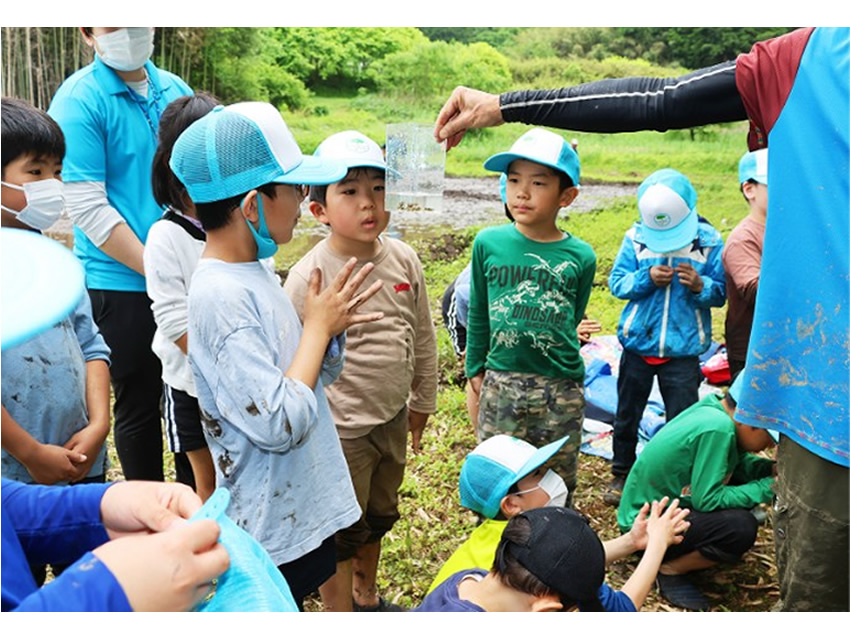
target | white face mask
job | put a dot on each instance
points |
(555, 488)
(45, 203)
(126, 49)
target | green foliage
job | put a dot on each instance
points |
(695, 47)
(435, 68)
(553, 72)
(339, 56)
(494, 36)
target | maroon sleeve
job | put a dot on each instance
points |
(764, 78)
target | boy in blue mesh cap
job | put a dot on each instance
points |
(259, 372)
(505, 476)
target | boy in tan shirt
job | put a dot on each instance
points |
(389, 382)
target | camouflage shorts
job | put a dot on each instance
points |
(537, 409)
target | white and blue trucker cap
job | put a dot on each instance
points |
(494, 465)
(353, 149)
(541, 146)
(668, 211)
(234, 149)
(42, 283)
(753, 166)
(735, 393)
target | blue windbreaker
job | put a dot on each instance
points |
(670, 321)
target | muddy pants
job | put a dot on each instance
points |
(810, 528)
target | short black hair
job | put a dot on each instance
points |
(214, 215)
(319, 194)
(511, 572)
(176, 118)
(27, 130)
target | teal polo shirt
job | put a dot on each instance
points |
(111, 137)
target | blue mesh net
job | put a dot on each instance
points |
(222, 155)
(252, 583)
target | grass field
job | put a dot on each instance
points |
(432, 523)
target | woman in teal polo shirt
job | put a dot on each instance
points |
(109, 112)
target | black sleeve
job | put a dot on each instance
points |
(707, 96)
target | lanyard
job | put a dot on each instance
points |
(154, 104)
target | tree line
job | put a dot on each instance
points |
(284, 65)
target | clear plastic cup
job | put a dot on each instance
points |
(417, 168)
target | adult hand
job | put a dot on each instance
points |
(144, 507)
(87, 442)
(416, 422)
(168, 571)
(689, 277)
(661, 275)
(465, 109)
(50, 464)
(586, 328)
(334, 309)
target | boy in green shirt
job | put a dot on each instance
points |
(529, 289)
(704, 458)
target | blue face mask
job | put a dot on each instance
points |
(266, 246)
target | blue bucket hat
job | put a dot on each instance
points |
(42, 283)
(668, 211)
(541, 146)
(237, 148)
(753, 166)
(494, 465)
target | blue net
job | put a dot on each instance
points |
(252, 583)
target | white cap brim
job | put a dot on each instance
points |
(314, 171)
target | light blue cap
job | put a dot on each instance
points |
(42, 283)
(668, 211)
(541, 146)
(234, 149)
(735, 393)
(753, 166)
(494, 465)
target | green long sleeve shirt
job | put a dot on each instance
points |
(526, 299)
(696, 458)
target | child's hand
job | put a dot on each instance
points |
(50, 464)
(637, 533)
(689, 277)
(661, 275)
(668, 527)
(87, 442)
(416, 422)
(586, 328)
(476, 382)
(334, 309)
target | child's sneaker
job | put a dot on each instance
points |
(615, 491)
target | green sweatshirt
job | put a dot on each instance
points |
(695, 457)
(526, 299)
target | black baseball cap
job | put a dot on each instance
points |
(564, 553)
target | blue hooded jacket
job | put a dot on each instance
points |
(670, 321)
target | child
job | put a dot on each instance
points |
(172, 251)
(259, 373)
(742, 258)
(504, 477)
(55, 393)
(530, 287)
(548, 559)
(669, 269)
(703, 457)
(389, 383)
